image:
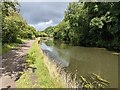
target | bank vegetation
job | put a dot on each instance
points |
(35, 63)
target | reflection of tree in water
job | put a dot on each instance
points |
(49, 43)
(61, 44)
(80, 59)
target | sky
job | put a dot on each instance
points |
(43, 14)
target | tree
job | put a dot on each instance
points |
(91, 24)
(61, 31)
(13, 25)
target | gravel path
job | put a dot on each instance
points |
(13, 62)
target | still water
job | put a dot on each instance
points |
(84, 60)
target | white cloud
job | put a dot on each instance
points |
(42, 25)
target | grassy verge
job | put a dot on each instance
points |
(24, 81)
(35, 59)
(7, 46)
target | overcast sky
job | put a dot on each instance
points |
(43, 14)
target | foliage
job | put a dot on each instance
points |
(13, 25)
(7, 47)
(49, 31)
(61, 31)
(91, 24)
(35, 58)
(42, 34)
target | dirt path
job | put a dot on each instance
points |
(12, 63)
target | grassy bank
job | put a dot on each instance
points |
(35, 59)
(8, 46)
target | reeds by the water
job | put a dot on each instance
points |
(56, 70)
(69, 80)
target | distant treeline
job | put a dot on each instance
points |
(14, 27)
(89, 24)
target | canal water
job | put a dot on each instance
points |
(85, 60)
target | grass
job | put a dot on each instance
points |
(8, 46)
(24, 81)
(36, 59)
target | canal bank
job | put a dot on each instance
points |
(82, 61)
(58, 72)
(36, 74)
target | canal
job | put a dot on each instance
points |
(85, 60)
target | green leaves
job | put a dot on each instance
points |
(91, 24)
(96, 22)
(13, 26)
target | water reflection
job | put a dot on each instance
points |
(84, 61)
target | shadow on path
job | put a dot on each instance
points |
(13, 62)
